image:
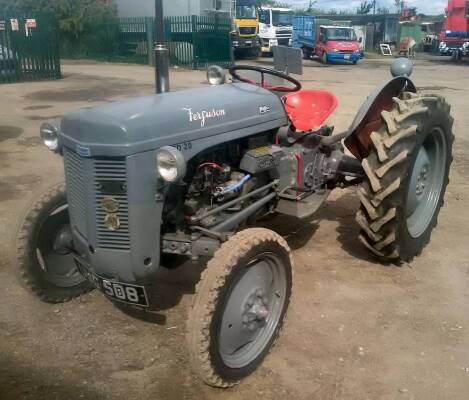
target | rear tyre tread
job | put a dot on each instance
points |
(388, 161)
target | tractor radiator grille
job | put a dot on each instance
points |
(110, 181)
(76, 190)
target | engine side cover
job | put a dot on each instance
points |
(261, 159)
(214, 113)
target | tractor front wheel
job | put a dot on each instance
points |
(239, 306)
(46, 266)
(407, 173)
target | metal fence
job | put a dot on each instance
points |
(29, 48)
(197, 42)
(193, 41)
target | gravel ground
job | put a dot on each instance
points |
(356, 329)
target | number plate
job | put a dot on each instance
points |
(125, 292)
(248, 42)
(346, 56)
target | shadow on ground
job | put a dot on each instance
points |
(20, 381)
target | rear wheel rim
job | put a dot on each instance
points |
(252, 310)
(58, 269)
(426, 182)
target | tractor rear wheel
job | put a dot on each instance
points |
(406, 176)
(239, 306)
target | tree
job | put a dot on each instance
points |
(365, 7)
(73, 15)
(399, 4)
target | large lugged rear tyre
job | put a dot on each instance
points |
(239, 306)
(406, 176)
(49, 273)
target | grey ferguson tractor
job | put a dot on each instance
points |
(189, 173)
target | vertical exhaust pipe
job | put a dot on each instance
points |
(161, 68)
(161, 52)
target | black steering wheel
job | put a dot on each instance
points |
(265, 71)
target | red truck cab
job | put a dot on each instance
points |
(455, 36)
(337, 43)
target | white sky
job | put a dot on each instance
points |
(426, 7)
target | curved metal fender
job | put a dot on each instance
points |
(368, 117)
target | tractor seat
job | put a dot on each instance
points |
(308, 109)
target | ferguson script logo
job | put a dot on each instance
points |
(202, 116)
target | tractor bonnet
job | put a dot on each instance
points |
(146, 123)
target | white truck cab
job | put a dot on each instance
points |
(275, 27)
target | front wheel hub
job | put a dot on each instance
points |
(252, 311)
(256, 311)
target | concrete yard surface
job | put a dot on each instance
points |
(356, 329)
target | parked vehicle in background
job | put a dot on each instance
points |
(430, 36)
(455, 36)
(245, 34)
(328, 42)
(275, 27)
(360, 32)
(443, 47)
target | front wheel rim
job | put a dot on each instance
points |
(252, 310)
(426, 182)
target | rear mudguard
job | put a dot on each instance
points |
(368, 117)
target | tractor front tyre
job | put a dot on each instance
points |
(406, 174)
(46, 267)
(239, 306)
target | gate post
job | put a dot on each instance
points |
(195, 39)
(150, 40)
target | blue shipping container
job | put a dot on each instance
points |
(304, 31)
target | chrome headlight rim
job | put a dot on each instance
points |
(49, 132)
(216, 75)
(170, 164)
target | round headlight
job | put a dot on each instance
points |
(215, 75)
(49, 134)
(170, 164)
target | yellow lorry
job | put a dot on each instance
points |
(245, 34)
